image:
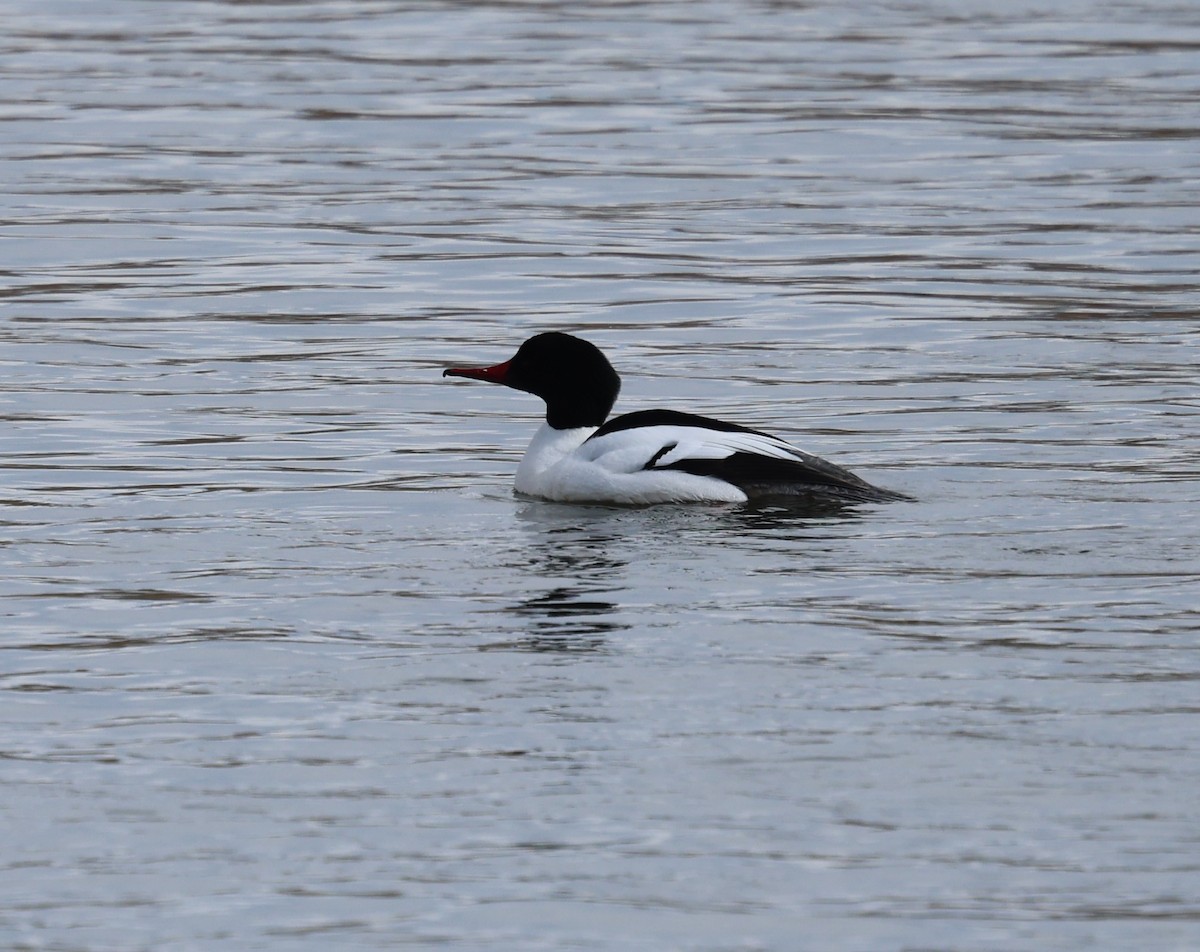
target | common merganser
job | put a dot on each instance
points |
(651, 456)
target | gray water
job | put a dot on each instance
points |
(288, 666)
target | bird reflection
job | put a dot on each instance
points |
(567, 619)
(790, 513)
(580, 557)
(574, 549)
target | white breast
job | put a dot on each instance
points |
(565, 466)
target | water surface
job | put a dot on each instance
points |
(288, 665)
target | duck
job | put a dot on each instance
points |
(647, 457)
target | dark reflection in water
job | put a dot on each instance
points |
(592, 552)
(579, 548)
(792, 514)
(567, 619)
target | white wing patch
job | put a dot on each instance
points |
(668, 462)
(660, 447)
(709, 444)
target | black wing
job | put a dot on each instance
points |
(756, 462)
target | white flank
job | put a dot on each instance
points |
(565, 466)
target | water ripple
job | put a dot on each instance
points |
(286, 659)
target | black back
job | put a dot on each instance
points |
(755, 475)
(629, 421)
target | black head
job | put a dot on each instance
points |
(577, 382)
